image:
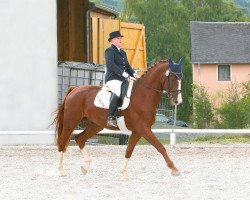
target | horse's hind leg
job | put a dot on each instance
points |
(63, 142)
(60, 166)
(134, 138)
(90, 130)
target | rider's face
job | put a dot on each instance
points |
(117, 41)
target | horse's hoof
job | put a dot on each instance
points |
(175, 173)
(124, 173)
(62, 174)
(84, 171)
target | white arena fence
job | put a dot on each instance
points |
(173, 132)
(47, 137)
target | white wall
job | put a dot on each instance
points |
(28, 64)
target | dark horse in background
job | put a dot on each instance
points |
(164, 76)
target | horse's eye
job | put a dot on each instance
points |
(173, 79)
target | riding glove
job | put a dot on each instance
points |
(136, 75)
(125, 74)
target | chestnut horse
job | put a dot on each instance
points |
(164, 76)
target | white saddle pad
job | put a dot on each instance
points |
(103, 96)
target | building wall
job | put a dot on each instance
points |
(71, 30)
(208, 77)
(28, 63)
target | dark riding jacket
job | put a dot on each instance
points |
(116, 64)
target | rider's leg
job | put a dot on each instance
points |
(114, 100)
(115, 87)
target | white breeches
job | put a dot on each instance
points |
(115, 86)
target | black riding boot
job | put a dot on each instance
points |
(114, 100)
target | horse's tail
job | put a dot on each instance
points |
(59, 117)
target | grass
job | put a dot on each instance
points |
(224, 138)
(143, 141)
(207, 138)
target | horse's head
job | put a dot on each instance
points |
(171, 81)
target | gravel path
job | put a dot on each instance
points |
(209, 171)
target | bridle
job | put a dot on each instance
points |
(168, 91)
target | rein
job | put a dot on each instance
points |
(162, 91)
(156, 90)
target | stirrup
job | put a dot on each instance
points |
(112, 122)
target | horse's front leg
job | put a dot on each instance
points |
(152, 139)
(134, 138)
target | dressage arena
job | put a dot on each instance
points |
(208, 171)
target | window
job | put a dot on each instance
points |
(224, 73)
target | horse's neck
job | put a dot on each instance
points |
(148, 90)
(153, 78)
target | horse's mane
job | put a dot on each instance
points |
(150, 68)
(155, 64)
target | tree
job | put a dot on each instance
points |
(166, 36)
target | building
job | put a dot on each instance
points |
(83, 31)
(35, 35)
(220, 55)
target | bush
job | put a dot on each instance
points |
(232, 115)
(246, 89)
(235, 110)
(203, 115)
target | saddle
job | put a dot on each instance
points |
(103, 96)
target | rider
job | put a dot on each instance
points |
(117, 70)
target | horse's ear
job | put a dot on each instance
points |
(181, 61)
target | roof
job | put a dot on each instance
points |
(220, 42)
(103, 9)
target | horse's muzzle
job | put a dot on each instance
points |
(176, 100)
